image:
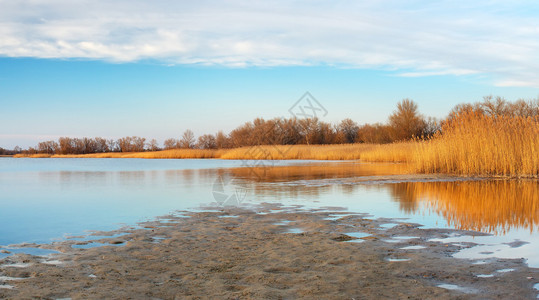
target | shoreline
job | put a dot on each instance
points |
(408, 175)
(269, 251)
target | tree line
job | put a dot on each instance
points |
(403, 124)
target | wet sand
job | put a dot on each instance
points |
(269, 252)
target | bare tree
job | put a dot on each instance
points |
(153, 145)
(349, 130)
(171, 144)
(49, 147)
(187, 140)
(222, 140)
(131, 144)
(207, 141)
(406, 122)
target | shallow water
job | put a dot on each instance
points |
(43, 200)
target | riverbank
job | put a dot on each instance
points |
(271, 252)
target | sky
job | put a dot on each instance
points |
(156, 68)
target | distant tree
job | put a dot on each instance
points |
(406, 122)
(49, 147)
(431, 127)
(171, 144)
(131, 144)
(349, 130)
(327, 134)
(100, 145)
(221, 140)
(207, 141)
(309, 130)
(494, 106)
(153, 145)
(188, 140)
(374, 134)
(112, 145)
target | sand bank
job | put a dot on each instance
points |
(268, 252)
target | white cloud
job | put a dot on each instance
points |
(498, 39)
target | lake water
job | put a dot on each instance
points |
(43, 200)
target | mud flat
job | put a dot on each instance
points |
(269, 251)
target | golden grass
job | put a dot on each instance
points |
(269, 152)
(316, 152)
(474, 144)
(174, 153)
(396, 152)
(275, 172)
(39, 155)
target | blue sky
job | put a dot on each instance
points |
(154, 69)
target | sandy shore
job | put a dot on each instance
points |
(270, 252)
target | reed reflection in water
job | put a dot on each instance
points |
(491, 206)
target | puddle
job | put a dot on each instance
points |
(484, 275)
(282, 223)
(52, 262)
(416, 247)
(16, 265)
(6, 278)
(333, 217)
(400, 239)
(487, 247)
(95, 244)
(158, 239)
(30, 251)
(228, 216)
(397, 259)
(92, 276)
(454, 287)
(95, 237)
(294, 230)
(388, 225)
(405, 237)
(6, 286)
(359, 235)
(505, 270)
(481, 262)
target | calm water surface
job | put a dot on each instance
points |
(42, 200)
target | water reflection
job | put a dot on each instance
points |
(492, 206)
(48, 200)
(317, 170)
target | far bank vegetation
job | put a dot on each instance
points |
(493, 137)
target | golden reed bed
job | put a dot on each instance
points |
(472, 144)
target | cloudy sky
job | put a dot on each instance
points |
(156, 68)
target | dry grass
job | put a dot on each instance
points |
(474, 144)
(396, 152)
(174, 153)
(39, 155)
(317, 152)
(270, 152)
